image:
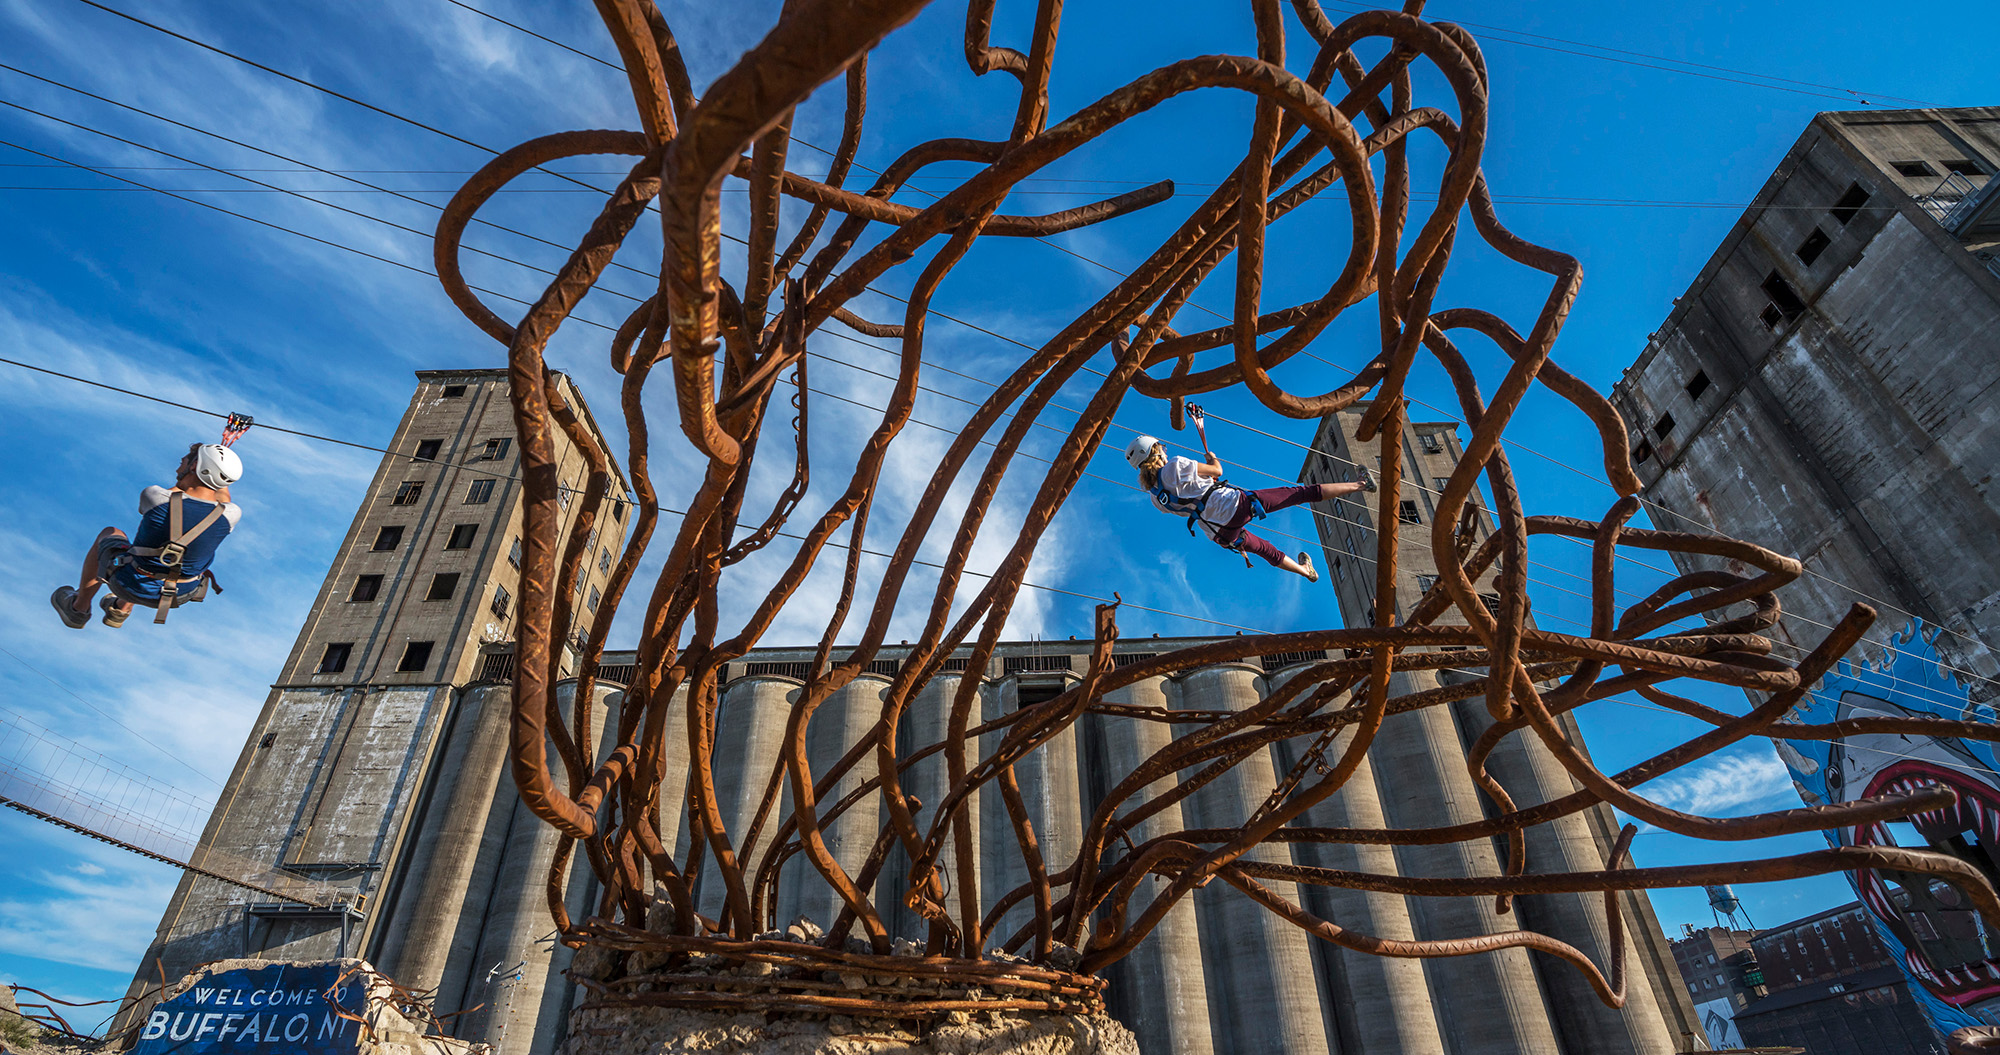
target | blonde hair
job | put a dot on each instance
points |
(1149, 470)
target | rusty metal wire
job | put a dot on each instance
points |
(725, 344)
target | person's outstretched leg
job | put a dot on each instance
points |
(1276, 498)
(1250, 543)
(73, 602)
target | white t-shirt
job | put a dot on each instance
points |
(1180, 477)
(155, 496)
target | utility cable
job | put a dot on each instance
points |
(459, 139)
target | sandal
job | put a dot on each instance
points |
(71, 618)
(114, 613)
(1306, 561)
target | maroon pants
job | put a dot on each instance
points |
(1235, 535)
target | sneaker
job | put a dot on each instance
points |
(1367, 478)
(62, 599)
(114, 613)
(1306, 561)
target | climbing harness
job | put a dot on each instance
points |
(168, 557)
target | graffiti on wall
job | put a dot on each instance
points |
(1948, 952)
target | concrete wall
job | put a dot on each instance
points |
(1870, 417)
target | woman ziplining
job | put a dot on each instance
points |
(1196, 490)
(165, 563)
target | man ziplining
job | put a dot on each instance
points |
(1195, 490)
(165, 562)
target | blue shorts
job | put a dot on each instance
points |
(127, 584)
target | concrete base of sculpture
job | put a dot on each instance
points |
(680, 1031)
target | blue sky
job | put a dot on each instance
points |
(135, 289)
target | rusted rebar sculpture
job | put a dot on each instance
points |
(1311, 135)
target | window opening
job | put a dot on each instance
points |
(496, 449)
(1913, 169)
(479, 493)
(453, 391)
(428, 450)
(1810, 249)
(443, 585)
(1963, 167)
(1432, 444)
(594, 598)
(388, 538)
(334, 659)
(1664, 427)
(1408, 513)
(462, 536)
(269, 739)
(618, 511)
(1771, 317)
(416, 658)
(1697, 384)
(1438, 482)
(365, 588)
(1783, 296)
(408, 494)
(1849, 204)
(514, 554)
(563, 497)
(501, 600)
(604, 559)
(1425, 582)
(1492, 603)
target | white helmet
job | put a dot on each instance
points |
(217, 466)
(1140, 449)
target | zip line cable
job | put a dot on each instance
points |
(362, 215)
(1314, 511)
(459, 139)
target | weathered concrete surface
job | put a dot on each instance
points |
(674, 1031)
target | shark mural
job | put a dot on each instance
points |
(1953, 963)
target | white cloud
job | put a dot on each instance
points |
(1743, 781)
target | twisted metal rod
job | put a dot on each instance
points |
(725, 347)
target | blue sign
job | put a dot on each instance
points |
(279, 1008)
(1951, 959)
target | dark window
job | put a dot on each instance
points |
(334, 659)
(1492, 603)
(443, 585)
(1810, 249)
(1697, 384)
(1849, 204)
(365, 588)
(453, 391)
(500, 601)
(604, 559)
(594, 598)
(618, 512)
(269, 739)
(514, 555)
(1783, 296)
(462, 536)
(1771, 316)
(416, 658)
(389, 538)
(497, 449)
(408, 494)
(1432, 444)
(428, 450)
(1408, 513)
(1963, 167)
(1664, 427)
(1913, 169)
(480, 493)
